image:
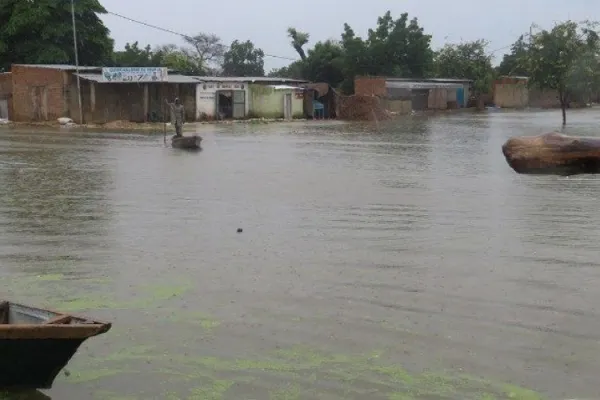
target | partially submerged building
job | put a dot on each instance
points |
(5, 95)
(514, 92)
(403, 95)
(249, 97)
(48, 92)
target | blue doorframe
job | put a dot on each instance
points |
(460, 97)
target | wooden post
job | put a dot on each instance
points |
(92, 97)
(146, 102)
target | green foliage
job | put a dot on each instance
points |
(204, 51)
(133, 56)
(564, 59)
(196, 58)
(467, 60)
(179, 59)
(299, 39)
(325, 63)
(243, 59)
(40, 32)
(396, 47)
(510, 62)
(294, 71)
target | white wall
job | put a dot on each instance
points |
(205, 96)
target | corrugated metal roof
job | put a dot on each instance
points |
(175, 78)
(63, 67)
(422, 85)
(439, 80)
(172, 78)
(247, 79)
(514, 77)
(284, 87)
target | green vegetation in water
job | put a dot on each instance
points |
(204, 321)
(292, 392)
(305, 371)
(59, 293)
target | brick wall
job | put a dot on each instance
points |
(38, 93)
(543, 98)
(358, 107)
(370, 86)
(511, 95)
(6, 90)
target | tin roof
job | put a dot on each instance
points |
(63, 67)
(439, 80)
(176, 78)
(286, 87)
(422, 85)
(248, 79)
(172, 78)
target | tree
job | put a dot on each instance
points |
(243, 59)
(395, 48)
(467, 60)
(510, 62)
(563, 59)
(206, 50)
(325, 63)
(293, 71)
(133, 56)
(400, 47)
(178, 59)
(299, 39)
(40, 32)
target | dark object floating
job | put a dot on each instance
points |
(553, 154)
(36, 344)
(240, 230)
(186, 142)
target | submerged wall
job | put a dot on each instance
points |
(268, 102)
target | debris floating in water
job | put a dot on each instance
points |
(240, 230)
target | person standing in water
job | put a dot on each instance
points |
(177, 116)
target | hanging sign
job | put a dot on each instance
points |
(134, 74)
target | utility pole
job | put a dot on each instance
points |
(76, 62)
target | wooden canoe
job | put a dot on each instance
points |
(553, 154)
(36, 344)
(186, 142)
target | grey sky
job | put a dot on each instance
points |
(265, 22)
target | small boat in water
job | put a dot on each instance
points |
(36, 344)
(186, 142)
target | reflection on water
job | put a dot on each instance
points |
(395, 260)
(53, 202)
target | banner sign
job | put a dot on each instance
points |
(134, 74)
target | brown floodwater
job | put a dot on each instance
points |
(399, 260)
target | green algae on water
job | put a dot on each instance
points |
(305, 371)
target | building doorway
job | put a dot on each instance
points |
(225, 104)
(287, 106)
(231, 104)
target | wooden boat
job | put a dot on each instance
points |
(553, 154)
(36, 344)
(186, 142)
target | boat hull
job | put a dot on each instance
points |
(186, 142)
(34, 363)
(36, 344)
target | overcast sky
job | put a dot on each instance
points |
(265, 22)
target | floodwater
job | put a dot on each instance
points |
(399, 260)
